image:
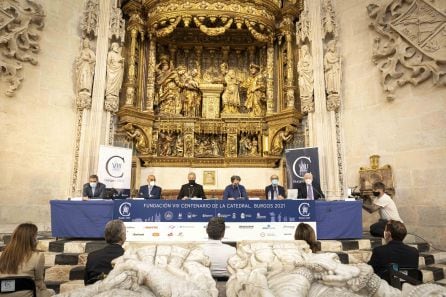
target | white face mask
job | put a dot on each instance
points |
(308, 181)
(275, 182)
(93, 185)
(152, 183)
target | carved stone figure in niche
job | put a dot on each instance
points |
(332, 69)
(255, 92)
(191, 95)
(209, 146)
(248, 146)
(85, 68)
(115, 72)
(305, 69)
(167, 143)
(231, 96)
(188, 146)
(179, 146)
(220, 79)
(138, 137)
(281, 138)
(169, 87)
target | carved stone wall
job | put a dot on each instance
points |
(38, 122)
(407, 133)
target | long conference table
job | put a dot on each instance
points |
(156, 220)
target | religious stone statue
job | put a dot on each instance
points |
(254, 147)
(332, 69)
(85, 69)
(191, 95)
(138, 137)
(280, 139)
(256, 92)
(305, 70)
(231, 96)
(169, 87)
(115, 72)
(167, 142)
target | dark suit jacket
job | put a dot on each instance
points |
(302, 191)
(154, 194)
(393, 252)
(98, 193)
(269, 188)
(99, 262)
(194, 190)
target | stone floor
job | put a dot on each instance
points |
(65, 258)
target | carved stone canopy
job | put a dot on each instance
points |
(215, 17)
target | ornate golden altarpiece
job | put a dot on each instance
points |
(210, 83)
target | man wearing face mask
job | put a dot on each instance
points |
(385, 205)
(150, 191)
(93, 189)
(235, 190)
(191, 189)
(309, 190)
(395, 251)
(274, 191)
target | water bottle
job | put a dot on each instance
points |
(269, 195)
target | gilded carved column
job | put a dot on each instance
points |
(198, 56)
(151, 68)
(270, 79)
(131, 74)
(225, 53)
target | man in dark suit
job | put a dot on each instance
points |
(93, 189)
(274, 191)
(191, 189)
(308, 190)
(395, 251)
(99, 262)
(150, 191)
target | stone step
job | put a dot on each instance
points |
(433, 273)
(71, 285)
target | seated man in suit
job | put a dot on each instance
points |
(99, 262)
(94, 189)
(274, 191)
(150, 191)
(395, 251)
(191, 189)
(309, 190)
(235, 190)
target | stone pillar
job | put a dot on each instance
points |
(270, 79)
(225, 54)
(290, 70)
(321, 122)
(95, 122)
(151, 68)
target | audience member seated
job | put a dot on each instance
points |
(395, 251)
(218, 252)
(99, 262)
(94, 189)
(20, 258)
(305, 232)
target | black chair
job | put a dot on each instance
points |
(396, 278)
(13, 284)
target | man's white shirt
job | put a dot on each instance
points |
(388, 210)
(218, 253)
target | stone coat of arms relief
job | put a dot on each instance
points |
(411, 44)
